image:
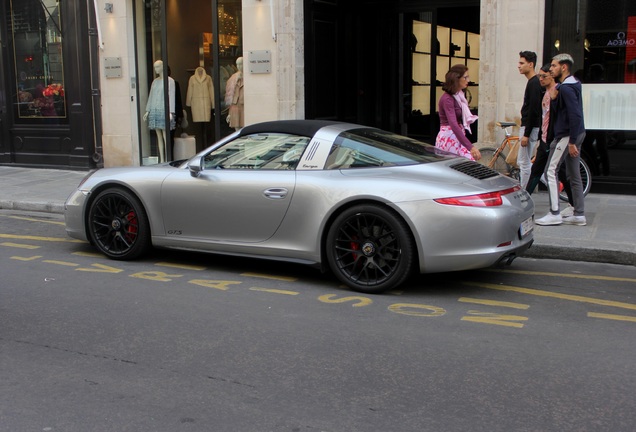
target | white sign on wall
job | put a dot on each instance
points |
(260, 61)
(112, 67)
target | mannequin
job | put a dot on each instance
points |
(155, 114)
(200, 96)
(234, 97)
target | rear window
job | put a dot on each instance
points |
(364, 148)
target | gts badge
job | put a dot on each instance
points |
(175, 232)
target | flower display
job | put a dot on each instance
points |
(45, 104)
(53, 90)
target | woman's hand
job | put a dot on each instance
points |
(476, 154)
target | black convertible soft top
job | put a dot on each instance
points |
(306, 128)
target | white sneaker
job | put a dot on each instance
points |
(544, 179)
(568, 211)
(549, 219)
(575, 220)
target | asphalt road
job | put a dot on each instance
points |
(198, 342)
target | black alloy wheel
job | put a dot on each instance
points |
(370, 249)
(118, 225)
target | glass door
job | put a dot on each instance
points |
(38, 88)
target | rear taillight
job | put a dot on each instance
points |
(490, 199)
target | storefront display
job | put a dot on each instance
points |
(37, 48)
(201, 58)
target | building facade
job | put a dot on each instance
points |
(76, 77)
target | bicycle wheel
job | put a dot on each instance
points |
(499, 164)
(586, 180)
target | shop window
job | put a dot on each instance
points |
(203, 64)
(36, 33)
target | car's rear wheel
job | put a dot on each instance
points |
(118, 225)
(370, 249)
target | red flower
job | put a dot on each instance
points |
(53, 90)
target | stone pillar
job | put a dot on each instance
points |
(507, 27)
(280, 94)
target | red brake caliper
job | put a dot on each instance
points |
(131, 229)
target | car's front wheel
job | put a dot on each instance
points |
(118, 225)
(370, 249)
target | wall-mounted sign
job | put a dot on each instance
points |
(112, 67)
(260, 61)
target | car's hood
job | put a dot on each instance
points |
(127, 174)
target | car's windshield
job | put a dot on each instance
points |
(359, 148)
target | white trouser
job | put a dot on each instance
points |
(524, 158)
(558, 153)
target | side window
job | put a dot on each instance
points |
(260, 151)
(347, 153)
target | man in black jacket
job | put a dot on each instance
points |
(530, 115)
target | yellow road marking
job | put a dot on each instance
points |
(100, 268)
(566, 275)
(496, 319)
(611, 316)
(542, 293)
(180, 266)
(36, 220)
(274, 291)
(18, 245)
(416, 309)
(26, 258)
(89, 254)
(359, 301)
(155, 276)
(494, 303)
(39, 238)
(216, 284)
(265, 276)
(62, 263)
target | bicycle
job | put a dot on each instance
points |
(495, 158)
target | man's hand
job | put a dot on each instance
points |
(573, 150)
(524, 141)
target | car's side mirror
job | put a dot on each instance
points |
(196, 166)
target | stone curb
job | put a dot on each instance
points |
(44, 207)
(575, 253)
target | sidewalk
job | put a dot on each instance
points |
(609, 236)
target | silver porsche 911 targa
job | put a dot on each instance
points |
(369, 205)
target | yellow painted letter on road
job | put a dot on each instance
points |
(360, 301)
(415, 309)
(100, 268)
(156, 276)
(216, 284)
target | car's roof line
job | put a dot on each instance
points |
(306, 128)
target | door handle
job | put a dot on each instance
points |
(275, 193)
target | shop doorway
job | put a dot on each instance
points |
(432, 42)
(382, 63)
